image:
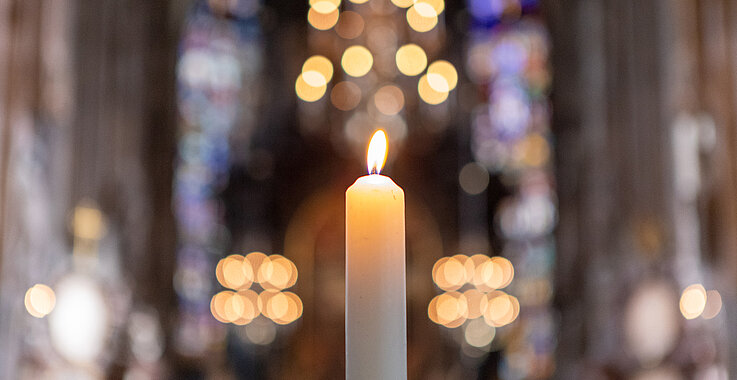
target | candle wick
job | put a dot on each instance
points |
(374, 170)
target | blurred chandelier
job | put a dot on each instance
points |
(372, 65)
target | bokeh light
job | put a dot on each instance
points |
(345, 95)
(39, 300)
(449, 309)
(428, 94)
(411, 59)
(324, 6)
(403, 3)
(437, 5)
(323, 21)
(693, 301)
(422, 17)
(321, 65)
(501, 309)
(473, 178)
(446, 70)
(479, 334)
(78, 326)
(306, 92)
(234, 272)
(87, 222)
(449, 273)
(713, 304)
(389, 100)
(357, 61)
(350, 25)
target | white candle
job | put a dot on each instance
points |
(375, 314)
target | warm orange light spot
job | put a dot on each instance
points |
(292, 311)
(449, 309)
(428, 94)
(422, 17)
(278, 273)
(307, 92)
(87, 222)
(377, 151)
(403, 3)
(234, 272)
(324, 6)
(217, 305)
(39, 300)
(501, 309)
(476, 307)
(437, 5)
(357, 61)
(411, 59)
(693, 301)
(446, 70)
(323, 21)
(321, 65)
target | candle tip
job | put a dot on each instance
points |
(377, 151)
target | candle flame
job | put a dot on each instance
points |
(376, 156)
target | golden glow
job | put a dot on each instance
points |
(314, 79)
(437, 5)
(377, 151)
(350, 25)
(357, 61)
(358, 1)
(323, 21)
(534, 151)
(277, 272)
(437, 82)
(446, 70)
(39, 300)
(345, 96)
(449, 273)
(234, 272)
(422, 17)
(324, 6)
(389, 100)
(449, 309)
(501, 309)
(411, 59)
(403, 3)
(289, 308)
(428, 94)
(87, 222)
(476, 307)
(693, 301)
(477, 270)
(321, 65)
(713, 304)
(306, 92)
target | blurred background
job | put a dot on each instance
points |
(172, 178)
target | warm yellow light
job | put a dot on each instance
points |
(377, 151)
(693, 301)
(501, 309)
(277, 273)
(428, 94)
(319, 64)
(306, 92)
(422, 17)
(217, 305)
(314, 79)
(389, 100)
(293, 309)
(324, 6)
(449, 309)
(411, 59)
(345, 95)
(437, 5)
(323, 21)
(39, 300)
(446, 70)
(358, 1)
(437, 82)
(357, 61)
(234, 272)
(88, 222)
(403, 3)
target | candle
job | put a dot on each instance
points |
(375, 314)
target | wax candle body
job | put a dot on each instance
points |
(375, 319)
